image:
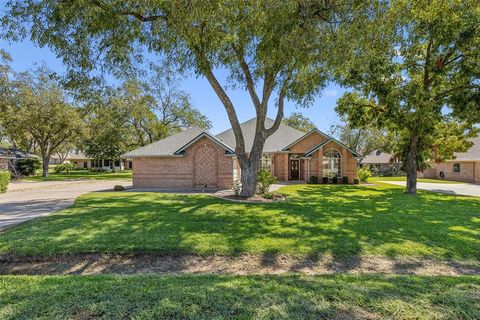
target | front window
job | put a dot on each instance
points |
(267, 162)
(456, 167)
(332, 163)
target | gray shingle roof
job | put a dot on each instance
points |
(167, 146)
(12, 153)
(377, 157)
(472, 154)
(284, 136)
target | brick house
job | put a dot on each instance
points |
(196, 159)
(464, 168)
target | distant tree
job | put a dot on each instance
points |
(156, 109)
(414, 65)
(268, 47)
(363, 141)
(37, 107)
(299, 121)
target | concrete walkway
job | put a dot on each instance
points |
(28, 200)
(465, 189)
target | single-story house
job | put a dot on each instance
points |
(381, 163)
(465, 167)
(10, 156)
(82, 161)
(197, 159)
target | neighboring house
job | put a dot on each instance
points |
(464, 168)
(195, 158)
(10, 156)
(84, 162)
(381, 163)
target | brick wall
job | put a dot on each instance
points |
(282, 163)
(469, 171)
(204, 163)
(307, 143)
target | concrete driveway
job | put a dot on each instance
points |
(28, 200)
(465, 189)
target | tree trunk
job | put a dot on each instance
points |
(411, 167)
(45, 164)
(249, 177)
(251, 166)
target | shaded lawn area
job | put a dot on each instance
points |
(403, 178)
(342, 220)
(83, 174)
(244, 297)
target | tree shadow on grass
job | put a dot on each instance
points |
(344, 221)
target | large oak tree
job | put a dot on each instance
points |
(33, 104)
(275, 49)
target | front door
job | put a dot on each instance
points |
(294, 169)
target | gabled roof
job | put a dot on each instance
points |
(167, 146)
(227, 148)
(304, 135)
(175, 145)
(276, 142)
(473, 154)
(318, 146)
(378, 157)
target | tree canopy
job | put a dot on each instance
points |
(267, 47)
(298, 121)
(35, 106)
(415, 70)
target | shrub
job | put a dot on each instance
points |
(364, 174)
(28, 167)
(237, 186)
(265, 180)
(335, 180)
(268, 195)
(65, 167)
(4, 181)
(118, 188)
(313, 180)
(356, 181)
(345, 180)
(325, 180)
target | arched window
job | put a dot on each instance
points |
(332, 163)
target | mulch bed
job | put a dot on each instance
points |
(230, 196)
(246, 264)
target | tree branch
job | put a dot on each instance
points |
(248, 78)
(134, 14)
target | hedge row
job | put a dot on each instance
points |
(4, 181)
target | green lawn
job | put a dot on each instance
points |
(83, 174)
(374, 179)
(243, 297)
(341, 220)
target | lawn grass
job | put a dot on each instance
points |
(342, 220)
(239, 297)
(403, 178)
(83, 174)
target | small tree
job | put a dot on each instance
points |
(265, 181)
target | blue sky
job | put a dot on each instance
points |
(25, 54)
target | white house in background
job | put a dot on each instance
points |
(83, 162)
